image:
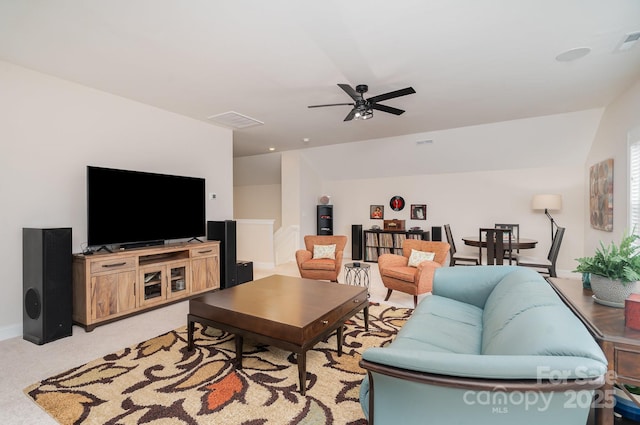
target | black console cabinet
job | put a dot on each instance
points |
(325, 219)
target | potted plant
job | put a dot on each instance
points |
(614, 270)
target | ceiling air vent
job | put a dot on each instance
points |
(629, 40)
(234, 120)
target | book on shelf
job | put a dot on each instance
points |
(398, 239)
(372, 253)
(372, 239)
(386, 240)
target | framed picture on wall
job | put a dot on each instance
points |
(418, 212)
(376, 212)
(601, 195)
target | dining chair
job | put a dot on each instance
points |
(456, 257)
(496, 248)
(515, 231)
(547, 265)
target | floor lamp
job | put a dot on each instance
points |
(546, 203)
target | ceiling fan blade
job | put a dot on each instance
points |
(351, 115)
(391, 95)
(330, 104)
(385, 108)
(350, 91)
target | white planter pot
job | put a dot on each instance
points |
(611, 292)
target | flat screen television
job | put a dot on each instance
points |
(138, 208)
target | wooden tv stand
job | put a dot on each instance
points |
(110, 286)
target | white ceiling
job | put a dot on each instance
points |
(470, 61)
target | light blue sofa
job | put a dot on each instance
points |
(491, 345)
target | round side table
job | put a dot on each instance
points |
(357, 274)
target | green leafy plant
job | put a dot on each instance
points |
(616, 262)
(633, 389)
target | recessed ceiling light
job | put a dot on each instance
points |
(573, 54)
(305, 140)
(271, 149)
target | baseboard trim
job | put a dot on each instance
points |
(266, 265)
(11, 331)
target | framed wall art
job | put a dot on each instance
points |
(601, 195)
(376, 212)
(418, 212)
(397, 203)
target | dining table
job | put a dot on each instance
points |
(520, 243)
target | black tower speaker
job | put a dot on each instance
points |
(436, 233)
(225, 232)
(46, 284)
(356, 241)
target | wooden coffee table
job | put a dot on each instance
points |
(287, 312)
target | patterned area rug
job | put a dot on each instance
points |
(158, 381)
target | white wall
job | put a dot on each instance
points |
(494, 170)
(471, 200)
(311, 188)
(620, 118)
(258, 202)
(51, 129)
(255, 242)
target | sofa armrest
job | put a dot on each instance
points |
(389, 393)
(424, 275)
(471, 285)
(486, 384)
(485, 366)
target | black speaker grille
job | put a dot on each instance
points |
(32, 303)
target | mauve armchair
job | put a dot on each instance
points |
(321, 268)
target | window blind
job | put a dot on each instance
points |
(634, 187)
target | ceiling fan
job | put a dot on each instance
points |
(363, 108)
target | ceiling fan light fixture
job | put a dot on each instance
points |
(363, 113)
(363, 108)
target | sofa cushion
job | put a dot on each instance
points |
(471, 285)
(537, 323)
(442, 325)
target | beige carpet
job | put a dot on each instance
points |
(159, 382)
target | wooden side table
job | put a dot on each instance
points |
(620, 344)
